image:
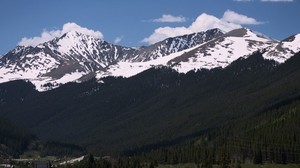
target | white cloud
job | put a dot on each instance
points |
(49, 35)
(118, 40)
(205, 22)
(230, 21)
(165, 32)
(170, 19)
(233, 17)
(34, 41)
(202, 23)
(74, 27)
(277, 0)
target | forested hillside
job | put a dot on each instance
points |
(158, 106)
(272, 136)
(13, 140)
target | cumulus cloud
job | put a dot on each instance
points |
(233, 17)
(49, 35)
(34, 41)
(170, 18)
(202, 23)
(165, 32)
(205, 22)
(118, 39)
(230, 21)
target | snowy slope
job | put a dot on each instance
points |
(20, 63)
(218, 52)
(127, 68)
(283, 50)
(221, 51)
(174, 44)
(61, 60)
(76, 57)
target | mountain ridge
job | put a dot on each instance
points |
(78, 57)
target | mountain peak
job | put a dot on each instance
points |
(241, 32)
(70, 34)
(75, 33)
(74, 41)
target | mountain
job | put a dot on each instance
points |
(220, 51)
(174, 44)
(155, 106)
(64, 59)
(77, 57)
(283, 50)
(181, 87)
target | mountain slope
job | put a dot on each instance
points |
(174, 44)
(64, 59)
(77, 57)
(284, 49)
(221, 51)
(269, 136)
(156, 105)
(13, 140)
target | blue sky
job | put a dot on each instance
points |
(131, 22)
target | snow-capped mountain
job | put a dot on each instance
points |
(78, 57)
(174, 44)
(68, 58)
(221, 51)
(283, 50)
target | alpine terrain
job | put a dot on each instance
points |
(76, 57)
(212, 97)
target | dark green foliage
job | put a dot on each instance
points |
(13, 140)
(160, 106)
(224, 158)
(15, 92)
(258, 157)
(271, 136)
(60, 149)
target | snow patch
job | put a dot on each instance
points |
(70, 77)
(284, 50)
(128, 69)
(293, 45)
(224, 52)
(72, 160)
